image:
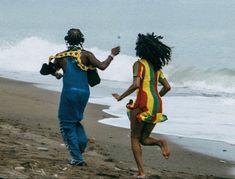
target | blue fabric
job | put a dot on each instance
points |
(75, 139)
(75, 93)
(73, 100)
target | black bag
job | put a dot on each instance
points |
(47, 69)
(93, 77)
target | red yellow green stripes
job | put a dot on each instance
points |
(148, 98)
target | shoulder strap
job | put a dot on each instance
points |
(73, 53)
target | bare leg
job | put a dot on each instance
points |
(136, 128)
(137, 152)
(147, 140)
(162, 143)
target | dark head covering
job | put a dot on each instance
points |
(74, 37)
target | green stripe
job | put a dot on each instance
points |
(152, 89)
(148, 119)
(136, 68)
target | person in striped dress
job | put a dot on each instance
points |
(146, 110)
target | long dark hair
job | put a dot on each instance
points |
(150, 47)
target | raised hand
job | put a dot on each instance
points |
(115, 51)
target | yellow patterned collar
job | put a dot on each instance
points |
(73, 53)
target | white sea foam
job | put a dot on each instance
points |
(203, 78)
(29, 54)
(201, 102)
(189, 116)
(200, 117)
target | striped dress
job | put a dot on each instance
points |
(148, 99)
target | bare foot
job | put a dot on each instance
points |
(138, 176)
(165, 149)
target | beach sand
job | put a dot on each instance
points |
(31, 145)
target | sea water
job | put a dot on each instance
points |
(202, 72)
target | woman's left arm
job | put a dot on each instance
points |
(166, 87)
(135, 85)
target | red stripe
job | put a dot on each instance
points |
(139, 70)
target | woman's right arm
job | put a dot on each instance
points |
(134, 86)
(166, 87)
(102, 65)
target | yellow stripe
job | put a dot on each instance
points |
(146, 86)
(159, 118)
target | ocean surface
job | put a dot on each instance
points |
(202, 72)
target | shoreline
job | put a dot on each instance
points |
(34, 110)
(224, 152)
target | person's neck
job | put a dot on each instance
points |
(74, 47)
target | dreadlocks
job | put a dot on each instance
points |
(152, 49)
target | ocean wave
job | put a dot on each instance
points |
(208, 79)
(29, 54)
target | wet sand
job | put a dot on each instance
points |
(31, 145)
